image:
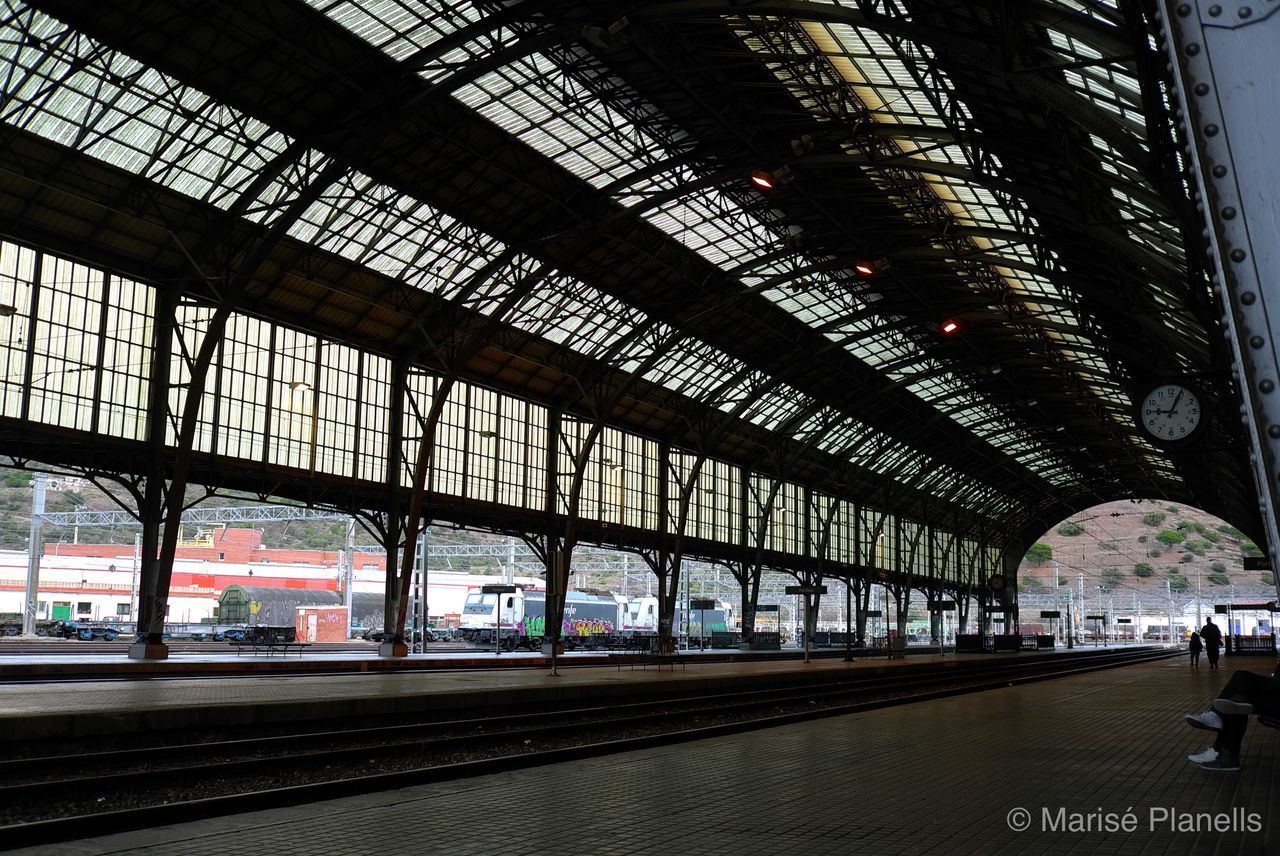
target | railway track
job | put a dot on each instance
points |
(113, 791)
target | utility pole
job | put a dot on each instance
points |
(1199, 616)
(1057, 595)
(133, 577)
(1083, 603)
(1168, 594)
(34, 548)
(1137, 608)
(349, 567)
(1071, 619)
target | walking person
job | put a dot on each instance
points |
(1196, 647)
(1212, 637)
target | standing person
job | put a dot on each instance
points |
(1196, 647)
(1212, 637)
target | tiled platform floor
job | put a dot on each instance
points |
(938, 777)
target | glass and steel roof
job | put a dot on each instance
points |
(892, 145)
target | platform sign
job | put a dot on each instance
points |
(805, 589)
(702, 603)
(767, 607)
(1124, 621)
(873, 613)
(1269, 606)
(1050, 613)
(942, 606)
(1221, 609)
(1257, 563)
(1095, 618)
(497, 589)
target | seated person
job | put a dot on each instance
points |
(1246, 693)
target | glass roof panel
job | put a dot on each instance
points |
(68, 88)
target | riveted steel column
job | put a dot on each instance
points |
(1223, 56)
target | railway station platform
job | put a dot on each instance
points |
(960, 775)
(244, 691)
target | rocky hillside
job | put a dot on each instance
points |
(1136, 547)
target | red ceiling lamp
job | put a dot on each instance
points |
(950, 326)
(762, 179)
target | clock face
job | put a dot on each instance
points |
(1170, 412)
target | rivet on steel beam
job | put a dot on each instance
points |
(1273, 431)
(1215, 11)
(1193, 49)
(1184, 10)
(1248, 297)
(1245, 12)
(1202, 89)
(1211, 130)
(1256, 341)
(1219, 171)
(1228, 213)
(1267, 387)
(1237, 255)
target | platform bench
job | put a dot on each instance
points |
(644, 661)
(271, 647)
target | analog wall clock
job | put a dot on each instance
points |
(1170, 412)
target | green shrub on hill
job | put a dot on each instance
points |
(1218, 568)
(1249, 548)
(1170, 537)
(1070, 529)
(1219, 579)
(1195, 545)
(1040, 553)
(1142, 539)
(1228, 529)
(1153, 518)
(1177, 582)
(1142, 569)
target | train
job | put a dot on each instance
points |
(595, 619)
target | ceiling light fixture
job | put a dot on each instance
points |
(864, 268)
(762, 179)
(950, 327)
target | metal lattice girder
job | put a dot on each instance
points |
(1224, 54)
(196, 516)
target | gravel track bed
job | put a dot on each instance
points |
(482, 746)
(454, 742)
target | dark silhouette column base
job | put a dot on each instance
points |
(148, 651)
